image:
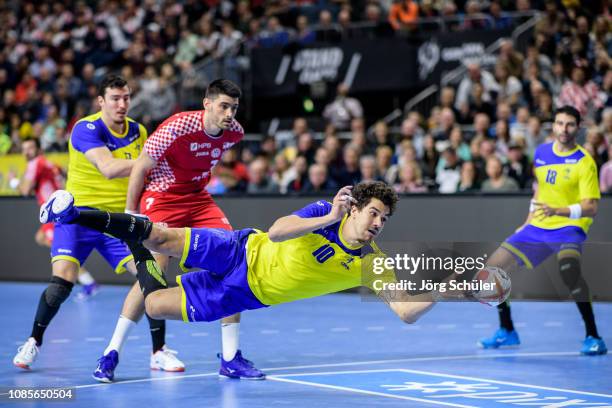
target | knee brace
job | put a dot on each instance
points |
(58, 291)
(569, 268)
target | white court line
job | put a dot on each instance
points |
(553, 324)
(296, 330)
(375, 328)
(95, 339)
(462, 377)
(349, 364)
(60, 341)
(339, 329)
(446, 326)
(356, 390)
(199, 334)
(443, 375)
(269, 331)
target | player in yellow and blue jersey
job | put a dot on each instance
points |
(101, 149)
(562, 211)
(320, 249)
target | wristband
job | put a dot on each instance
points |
(575, 211)
(131, 212)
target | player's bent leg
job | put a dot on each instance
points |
(166, 241)
(60, 286)
(165, 304)
(133, 305)
(503, 258)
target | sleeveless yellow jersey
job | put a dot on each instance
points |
(89, 187)
(314, 264)
(564, 178)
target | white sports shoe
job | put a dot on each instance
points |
(26, 354)
(165, 360)
(58, 207)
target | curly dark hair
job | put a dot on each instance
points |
(365, 191)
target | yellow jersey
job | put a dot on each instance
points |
(314, 264)
(564, 178)
(88, 186)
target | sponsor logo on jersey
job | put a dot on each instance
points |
(540, 161)
(197, 146)
(571, 161)
(64, 251)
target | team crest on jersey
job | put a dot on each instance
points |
(91, 126)
(216, 153)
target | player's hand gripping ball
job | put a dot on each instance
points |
(495, 287)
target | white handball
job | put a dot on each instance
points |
(494, 286)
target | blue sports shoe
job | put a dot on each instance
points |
(105, 372)
(501, 338)
(87, 292)
(58, 208)
(593, 347)
(240, 368)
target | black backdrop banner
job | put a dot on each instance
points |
(385, 65)
(382, 65)
(445, 51)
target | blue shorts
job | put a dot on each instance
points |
(532, 245)
(74, 243)
(222, 288)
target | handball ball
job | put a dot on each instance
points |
(494, 286)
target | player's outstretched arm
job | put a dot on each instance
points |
(406, 307)
(292, 226)
(142, 165)
(107, 164)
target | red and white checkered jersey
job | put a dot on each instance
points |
(185, 153)
(45, 176)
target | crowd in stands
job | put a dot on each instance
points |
(480, 137)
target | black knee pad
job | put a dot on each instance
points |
(58, 291)
(569, 268)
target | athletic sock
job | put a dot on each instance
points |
(158, 333)
(122, 330)
(126, 227)
(505, 317)
(230, 334)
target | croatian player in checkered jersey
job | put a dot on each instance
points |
(168, 185)
(101, 148)
(563, 208)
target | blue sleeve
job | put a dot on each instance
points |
(85, 136)
(318, 209)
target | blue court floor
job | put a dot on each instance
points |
(334, 351)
